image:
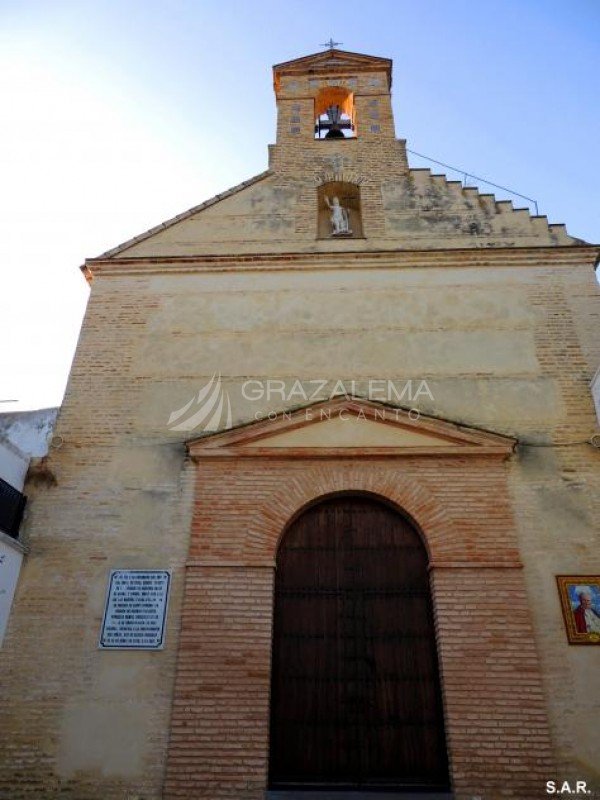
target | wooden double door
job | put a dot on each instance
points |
(355, 700)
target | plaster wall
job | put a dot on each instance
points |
(495, 310)
(13, 465)
(498, 348)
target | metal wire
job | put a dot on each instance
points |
(475, 178)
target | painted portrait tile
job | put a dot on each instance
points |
(580, 600)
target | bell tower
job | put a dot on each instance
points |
(335, 132)
(334, 95)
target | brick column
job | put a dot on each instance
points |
(220, 721)
(496, 721)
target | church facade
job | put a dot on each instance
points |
(338, 419)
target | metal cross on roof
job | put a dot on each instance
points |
(330, 44)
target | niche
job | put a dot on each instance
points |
(341, 220)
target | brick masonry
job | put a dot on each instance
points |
(496, 309)
(491, 674)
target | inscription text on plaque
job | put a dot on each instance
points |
(136, 610)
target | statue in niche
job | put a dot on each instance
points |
(340, 220)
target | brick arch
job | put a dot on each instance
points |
(405, 494)
(344, 175)
(334, 95)
(355, 493)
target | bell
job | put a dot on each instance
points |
(333, 112)
(334, 132)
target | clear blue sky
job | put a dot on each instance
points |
(116, 116)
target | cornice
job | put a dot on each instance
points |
(559, 256)
(254, 439)
(332, 62)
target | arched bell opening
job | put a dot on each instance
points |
(339, 210)
(334, 113)
(355, 693)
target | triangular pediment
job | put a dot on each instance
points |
(350, 426)
(333, 61)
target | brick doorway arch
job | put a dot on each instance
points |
(452, 483)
